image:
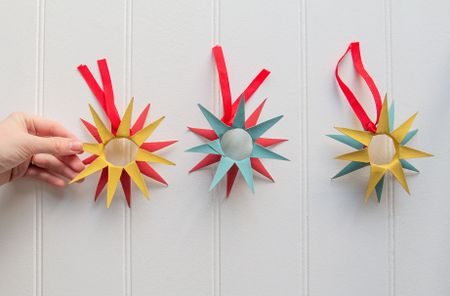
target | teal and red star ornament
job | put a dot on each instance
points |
(234, 141)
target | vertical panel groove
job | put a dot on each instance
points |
(304, 151)
(39, 107)
(391, 192)
(128, 62)
(217, 290)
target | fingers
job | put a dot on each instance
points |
(46, 128)
(55, 165)
(56, 145)
(73, 161)
(45, 176)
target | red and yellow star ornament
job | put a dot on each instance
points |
(119, 129)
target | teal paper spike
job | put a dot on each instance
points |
(217, 125)
(205, 148)
(347, 140)
(224, 165)
(261, 152)
(391, 117)
(245, 167)
(379, 189)
(351, 167)
(239, 118)
(216, 146)
(409, 136)
(258, 130)
(407, 165)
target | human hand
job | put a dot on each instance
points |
(36, 147)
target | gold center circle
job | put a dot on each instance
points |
(381, 149)
(120, 151)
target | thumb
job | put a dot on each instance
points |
(54, 145)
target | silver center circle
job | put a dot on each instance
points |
(237, 144)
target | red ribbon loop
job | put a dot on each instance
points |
(229, 107)
(351, 98)
(104, 96)
(224, 81)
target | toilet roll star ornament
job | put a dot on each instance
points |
(235, 141)
(121, 152)
(379, 145)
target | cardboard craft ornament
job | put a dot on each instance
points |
(367, 142)
(234, 140)
(119, 129)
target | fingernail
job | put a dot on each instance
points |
(76, 146)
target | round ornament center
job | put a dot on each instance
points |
(237, 144)
(381, 149)
(120, 151)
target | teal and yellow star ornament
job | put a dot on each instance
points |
(236, 144)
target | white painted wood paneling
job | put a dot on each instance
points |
(172, 234)
(83, 245)
(304, 234)
(18, 85)
(420, 72)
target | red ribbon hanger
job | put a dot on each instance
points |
(104, 96)
(229, 107)
(367, 124)
(229, 111)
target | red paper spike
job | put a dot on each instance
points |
(139, 124)
(258, 166)
(266, 142)
(92, 130)
(101, 183)
(147, 170)
(126, 186)
(253, 118)
(155, 146)
(231, 176)
(207, 160)
(89, 159)
(205, 133)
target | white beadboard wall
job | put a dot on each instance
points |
(303, 235)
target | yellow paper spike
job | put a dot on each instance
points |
(407, 152)
(397, 170)
(144, 155)
(400, 133)
(93, 148)
(133, 170)
(104, 133)
(143, 134)
(114, 173)
(98, 164)
(376, 173)
(362, 137)
(124, 127)
(383, 124)
(359, 156)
